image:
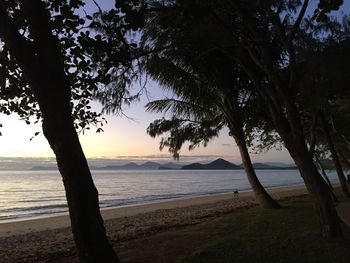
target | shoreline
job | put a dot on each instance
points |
(54, 222)
(155, 201)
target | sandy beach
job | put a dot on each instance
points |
(50, 240)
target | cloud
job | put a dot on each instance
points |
(226, 145)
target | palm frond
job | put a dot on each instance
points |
(182, 109)
(178, 131)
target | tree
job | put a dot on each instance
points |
(212, 90)
(263, 40)
(335, 156)
(266, 46)
(48, 57)
(202, 130)
(323, 88)
(324, 7)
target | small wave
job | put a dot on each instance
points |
(41, 200)
(34, 211)
(32, 214)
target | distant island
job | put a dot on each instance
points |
(218, 164)
(221, 164)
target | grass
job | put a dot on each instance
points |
(286, 235)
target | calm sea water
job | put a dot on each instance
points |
(25, 194)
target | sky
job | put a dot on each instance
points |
(123, 137)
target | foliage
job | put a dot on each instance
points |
(324, 89)
(295, 47)
(324, 7)
(87, 50)
(179, 131)
(191, 66)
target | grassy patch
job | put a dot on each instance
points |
(290, 235)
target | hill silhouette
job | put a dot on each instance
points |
(218, 164)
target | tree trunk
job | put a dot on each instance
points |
(347, 164)
(233, 117)
(335, 158)
(291, 133)
(261, 195)
(82, 196)
(319, 191)
(323, 173)
(42, 65)
(325, 177)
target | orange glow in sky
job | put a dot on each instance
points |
(121, 137)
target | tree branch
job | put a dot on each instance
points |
(298, 21)
(14, 41)
(313, 134)
(98, 7)
(148, 52)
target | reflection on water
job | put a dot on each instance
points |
(35, 193)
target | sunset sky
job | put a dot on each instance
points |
(122, 137)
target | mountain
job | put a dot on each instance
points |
(194, 166)
(263, 166)
(222, 164)
(170, 166)
(149, 166)
(279, 165)
(129, 166)
(219, 164)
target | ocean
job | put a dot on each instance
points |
(29, 194)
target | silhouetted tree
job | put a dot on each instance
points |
(322, 89)
(324, 7)
(49, 58)
(263, 40)
(212, 90)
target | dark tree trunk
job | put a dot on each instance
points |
(347, 164)
(335, 158)
(232, 113)
(82, 196)
(319, 191)
(291, 132)
(323, 172)
(325, 177)
(280, 100)
(261, 195)
(44, 71)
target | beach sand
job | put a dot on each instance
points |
(50, 239)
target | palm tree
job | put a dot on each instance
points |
(210, 97)
(212, 90)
